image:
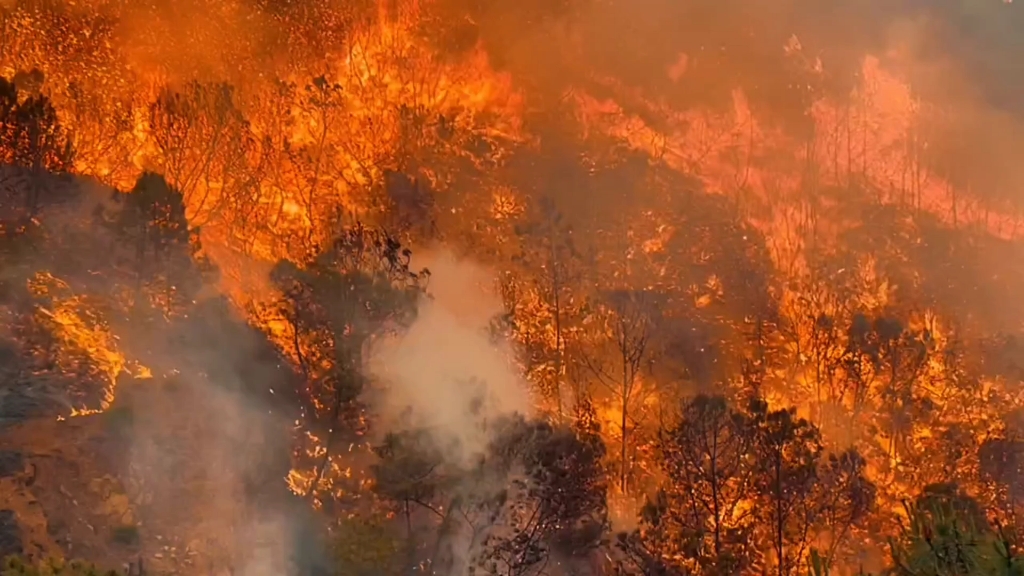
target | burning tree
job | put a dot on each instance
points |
(746, 489)
(165, 251)
(535, 496)
(631, 318)
(333, 307)
(776, 216)
(548, 325)
(206, 149)
(33, 140)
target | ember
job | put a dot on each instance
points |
(730, 287)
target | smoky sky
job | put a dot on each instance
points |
(738, 43)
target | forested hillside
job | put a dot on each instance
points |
(587, 287)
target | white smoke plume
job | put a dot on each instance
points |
(446, 373)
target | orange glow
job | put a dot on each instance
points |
(272, 146)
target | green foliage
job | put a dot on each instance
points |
(559, 510)
(818, 565)
(52, 567)
(947, 535)
(366, 547)
(555, 508)
(408, 467)
(154, 214)
(353, 290)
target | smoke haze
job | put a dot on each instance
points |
(204, 442)
(446, 373)
(735, 85)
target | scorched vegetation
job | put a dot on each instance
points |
(567, 288)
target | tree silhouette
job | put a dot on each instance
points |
(164, 252)
(947, 534)
(788, 450)
(536, 495)
(744, 490)
(33, 140)
(557, 511)
(334, 305)
(704, 513)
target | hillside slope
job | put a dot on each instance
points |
(143, 480)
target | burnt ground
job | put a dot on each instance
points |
(49, 489)
(155, 477)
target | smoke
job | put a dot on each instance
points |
(205, 452)
(964, 105)
(446, 373)
(197, 452)
(449, 376)
(193, 39)
(206, 460)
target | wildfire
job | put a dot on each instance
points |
(273, 146)
(86, 344)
